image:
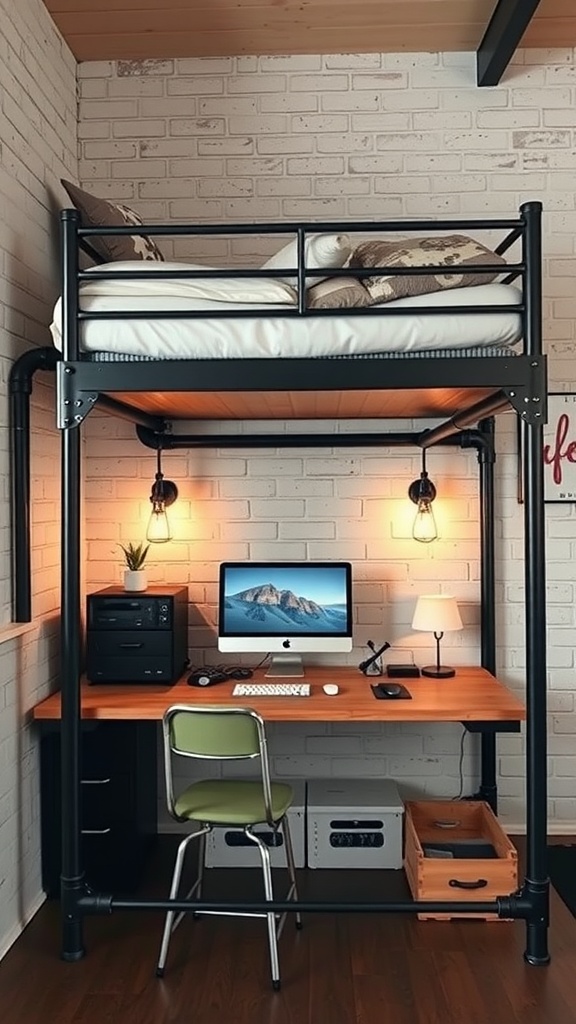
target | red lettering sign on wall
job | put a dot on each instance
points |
(560, 449)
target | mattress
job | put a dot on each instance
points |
(217, 334)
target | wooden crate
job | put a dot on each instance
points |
(446, 821)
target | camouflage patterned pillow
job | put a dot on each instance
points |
(99, 213)
(338, 293)
(451, 251)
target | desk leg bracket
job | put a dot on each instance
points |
(71, 890)
(77, 900)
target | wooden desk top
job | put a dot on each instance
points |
(473, 694)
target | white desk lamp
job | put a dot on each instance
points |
(437, 613)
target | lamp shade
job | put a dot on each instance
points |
(436, 613)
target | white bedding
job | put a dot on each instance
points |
(266, 336)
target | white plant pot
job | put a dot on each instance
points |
(135, 579)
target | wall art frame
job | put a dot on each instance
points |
(559, 450)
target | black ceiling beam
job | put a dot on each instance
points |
(501, 38)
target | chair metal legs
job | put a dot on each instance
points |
(268, 895)
(201, 866)
(293, 891)
(173, 919)
(274, 929)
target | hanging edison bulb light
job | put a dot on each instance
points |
(422, 492)
(163, 494)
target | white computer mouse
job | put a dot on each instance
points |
(331, 689)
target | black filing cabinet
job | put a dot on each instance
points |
(137, 638)
(118, 800)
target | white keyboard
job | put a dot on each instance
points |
(271, 690)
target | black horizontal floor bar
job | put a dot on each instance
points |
(308, 906)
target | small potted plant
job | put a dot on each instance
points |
(134, 574)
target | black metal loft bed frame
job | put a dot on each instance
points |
(518, 382)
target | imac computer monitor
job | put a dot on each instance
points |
(285, 608)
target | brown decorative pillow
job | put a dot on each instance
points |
(338, 293)
(99, 213)
(449, 251)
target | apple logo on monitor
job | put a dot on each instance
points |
(261, 602)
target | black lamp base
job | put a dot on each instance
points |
(438, 671)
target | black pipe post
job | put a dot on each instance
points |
(19, 390)
(69, 225)
(72, 877)
(536, 884)
(486, 459)
(532, 288)
(483, 440)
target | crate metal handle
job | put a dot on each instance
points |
(456, 883)
(447, 823)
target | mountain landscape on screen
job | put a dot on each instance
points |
(265, 609)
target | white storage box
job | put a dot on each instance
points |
(229, 847)
(354, 823)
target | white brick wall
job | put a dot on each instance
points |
(285, 138)
(37, 145)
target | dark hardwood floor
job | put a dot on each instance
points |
(340, 969)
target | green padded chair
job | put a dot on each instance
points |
(225, 734)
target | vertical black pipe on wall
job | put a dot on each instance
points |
(20, 504)
(487, 458)
(19, 390)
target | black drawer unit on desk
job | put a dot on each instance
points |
(118, 802)
(136, 638)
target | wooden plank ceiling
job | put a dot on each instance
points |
(156, 29)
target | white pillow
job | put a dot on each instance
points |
(329, 251)
(254, 290)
